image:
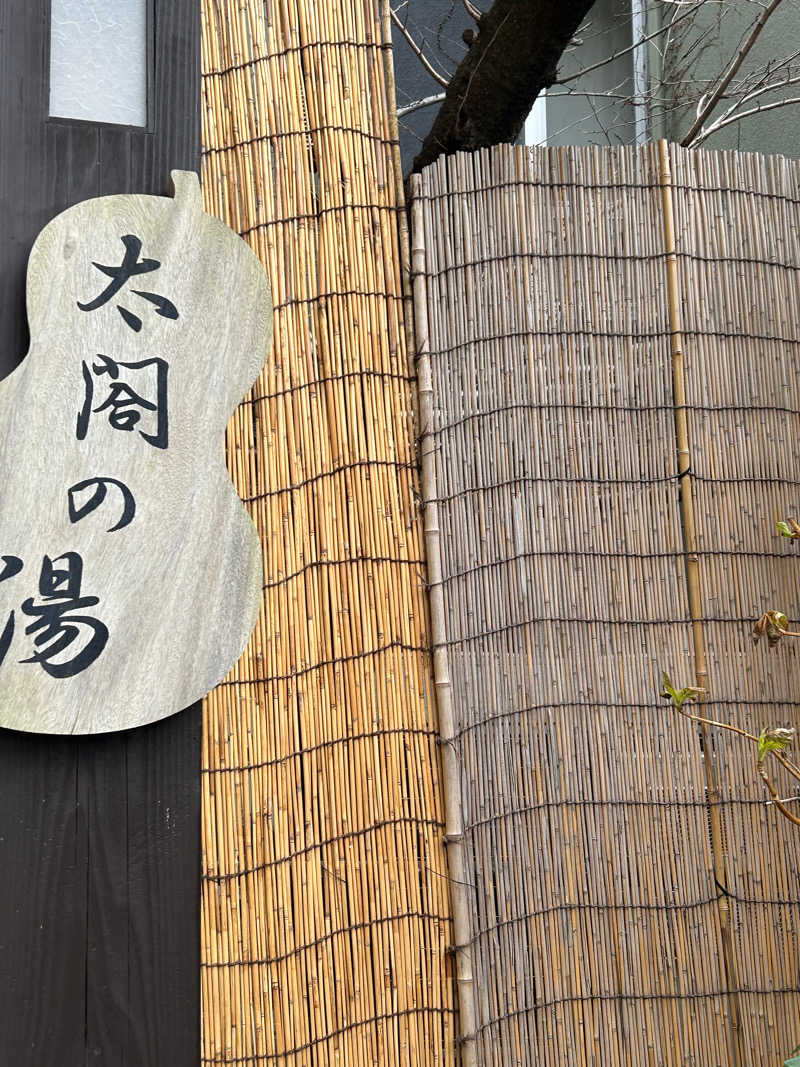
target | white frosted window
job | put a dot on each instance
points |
(98, 60)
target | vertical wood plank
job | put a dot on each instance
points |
(99, 837)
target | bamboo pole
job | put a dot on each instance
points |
(694, 593)
(451, 765)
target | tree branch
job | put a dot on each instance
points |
(787, 763)
(761, 768)
(706, 108)
(415, 48)
(730, 114)
(417, 104)
(776, 796)
(759, 109)
(715, 722)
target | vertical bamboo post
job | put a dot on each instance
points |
(693, 584)
(454, 826)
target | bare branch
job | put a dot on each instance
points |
(758, 110)
(415, 48)
(685, 78)
(612, 100)
(417, 104)
(708, 106)
(624, 51)
(472, 11)
(776, 799)
(715, 722)
(760, 89)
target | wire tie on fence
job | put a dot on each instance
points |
(442, 741)
(447, 878)
(453, 839)
(452, 950)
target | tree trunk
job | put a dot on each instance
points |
(512, 58)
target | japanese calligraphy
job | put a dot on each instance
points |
(100, 486)
(130, 267)
(11, 565)
(125, 406)
(59, 624)
(149, 321)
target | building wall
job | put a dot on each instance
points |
(581, 112)
(714, 36)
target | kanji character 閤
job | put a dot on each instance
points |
(125, 406)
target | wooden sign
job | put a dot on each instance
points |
(131, 574)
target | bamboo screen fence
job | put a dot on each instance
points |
(620, 890)
(325, 905)
(631, 898)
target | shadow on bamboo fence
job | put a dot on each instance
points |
(631, 897)
(325, 900)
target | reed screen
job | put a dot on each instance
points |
(325, 898)
(633, 898)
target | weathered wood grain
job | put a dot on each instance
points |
(55, 1003)
(132, 384)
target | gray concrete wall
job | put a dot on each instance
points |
(595, 109)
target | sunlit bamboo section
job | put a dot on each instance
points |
(610, 924)
(325, 896)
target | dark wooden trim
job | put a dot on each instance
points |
(100, 836)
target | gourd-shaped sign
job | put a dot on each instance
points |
(130, 572)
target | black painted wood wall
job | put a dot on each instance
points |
(100, 836)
